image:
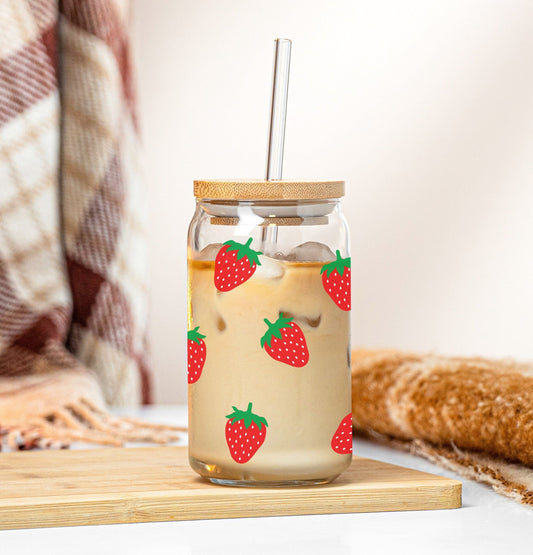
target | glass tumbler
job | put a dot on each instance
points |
(268, 346)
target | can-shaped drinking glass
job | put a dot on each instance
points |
(268, 342)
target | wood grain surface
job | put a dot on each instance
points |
(279, 189)
(114, 485)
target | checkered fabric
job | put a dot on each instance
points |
(73, 288)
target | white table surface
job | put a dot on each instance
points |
(488, 523)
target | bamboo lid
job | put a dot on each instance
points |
(268, 190)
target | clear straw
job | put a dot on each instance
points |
(278, 109)
(276, 137)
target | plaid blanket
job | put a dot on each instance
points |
(470, 415)
(73, 289)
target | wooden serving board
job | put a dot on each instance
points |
(105, 486)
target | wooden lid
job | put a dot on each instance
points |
(268, 190)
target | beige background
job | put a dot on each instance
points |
(425, 108)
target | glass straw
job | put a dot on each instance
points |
(278, 108)
(276, 137)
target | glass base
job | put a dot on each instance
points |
(230, 477)
(270, 484)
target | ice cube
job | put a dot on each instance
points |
(314, 321)
(311, 252)
(209, 253)
(221, 323)
(269, 269)
(311, 321)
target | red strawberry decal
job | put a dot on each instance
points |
(245, 433)
(234, 264)
(337, 282)
(341, 442)
(195, 354)
(284, 341)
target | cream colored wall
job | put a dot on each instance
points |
(425, 108)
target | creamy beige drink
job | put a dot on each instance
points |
(269, 401)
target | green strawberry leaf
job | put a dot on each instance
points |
(274, 329)
(247, 416)
(340, 264)
(195, 335)
(244, 250)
